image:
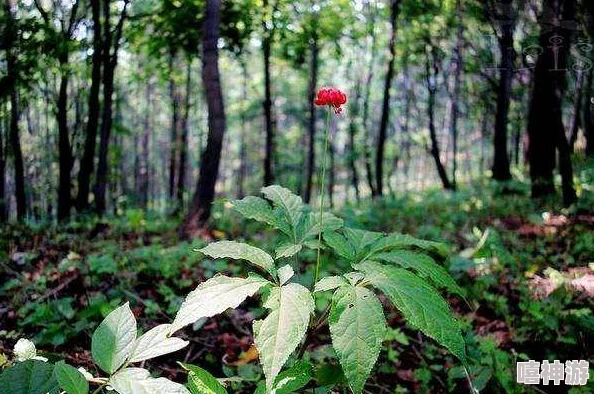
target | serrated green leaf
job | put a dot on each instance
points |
(29, 377)
(401, 241)
(255, 208)
(241, 251)
(215, 296)
(70, 379)
(139, 381)
(278, 335)
(340, 245)
(424, 265)
(156, 342)
(285, 273)
(357, 327)
(422, 307)
(354, 277)
(114, 338)
(201, 381)
(287, 250)
(329, 223)
(289, 205)
(329, 283)
(291, 380)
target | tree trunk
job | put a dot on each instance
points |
(577, 109)
(457, 64)
(311, 120)
(501, 171)
(3, 205)
(242, 172)
(268, 122)
(183, 138)
(588, 115)
(87, 161)
(367, 129)
(64, 149)
(175, 98)
(352, 149)
(200, 207)
(379, 158)
(432, 90)
(110, 58)
(11, 35)
(546, 132)
(144, 161)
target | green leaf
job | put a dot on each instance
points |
(278, 335)
(70, 379)
(156, 342)
(241, 251)
(201, 381)
(421, 305)
(289, 204)
(424, 265)
(255, 208)
(291, 380)
(340, 245)
(287, 250)
(215, 296)
(329, 283)
(139, 381)
(357, 327)
(29, 377)
(113, 340)
(285, 273)
(329, 223)
(401, 241)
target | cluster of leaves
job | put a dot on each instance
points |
(403, 268)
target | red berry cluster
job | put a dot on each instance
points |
(332, 97)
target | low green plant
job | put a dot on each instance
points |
(403, 268)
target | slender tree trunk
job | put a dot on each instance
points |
(577, 109)
(174, 131)
(144, 162)
(457, 64)
(183, 138)
(110, 58)
(546, 132)
(501, 171)
(311, 121)
(200, 208)
(268, 122)
(432, 90)
(3, 205)
(379, 158)
(64, 149)
(366, 127)
(242, 172)
(352, 148)
(87, 161)
(588, 115)
(11, 35)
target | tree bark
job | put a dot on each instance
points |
(383, 127)
(64, 149)
(457, 63)
(546, 132)
(352, 148)
(13, 133)
(110, 58)
(183, 138)
(577, 109)
(144, 161)
(87, 162)
(3, 205)
(267, 104)
(588, 115)
(432, 90)
(507, 23)
(200, 207)
(311, 121)
(174, 132)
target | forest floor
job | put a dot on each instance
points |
(527, 269)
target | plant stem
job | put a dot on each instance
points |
(322, 192)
